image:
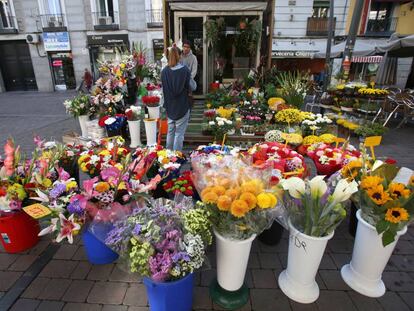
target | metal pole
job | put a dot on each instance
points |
(350, 41)
(331, 30)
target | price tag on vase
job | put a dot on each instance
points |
(37, 211)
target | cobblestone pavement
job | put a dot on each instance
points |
(50, 277)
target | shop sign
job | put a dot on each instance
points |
(57, 63)
(56, 41)
(108, 39)
(293, 54)
(158, 44)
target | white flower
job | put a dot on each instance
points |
(220, 123)
(295, 186)
(343, 191)
(109, 121)
(318, 186)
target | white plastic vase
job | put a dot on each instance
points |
(151, 131)
(154, 112)
(369, 258)
(304, 257)
(134, 132)
(83, 125)
(232, 258)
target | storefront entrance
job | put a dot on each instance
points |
(16, 66)
(62, 69)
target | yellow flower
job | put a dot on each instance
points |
(104, 153)
(224, 202)
(398, 190)
(250, 199)
(239, 208)
(327, 138)
(82, 158)
(290, 115)
(254, 186)
(219, 190)
(225, 113)
(233, 193)
(292, 138)
(273, 102)
(310, 140)
(266, 200)
(119, 166)
(350, 171)
(396, 215)
(47, 182)
(378, 195)
(371, 181)
(17, 191)
(122, 186)
(210, 197)
(102, 187)
(71, 185)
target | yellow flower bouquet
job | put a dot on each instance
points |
(289, 116)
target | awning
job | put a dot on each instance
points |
(218, 6)
(367, 59)
(398, 47)
(362, 48)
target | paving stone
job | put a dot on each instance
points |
(211, 259)
(398, 281)
(392, 302)
(39, 247)
(248, 279)
(47, 305)
(263, 279)
(320, 281)
(82, 307)
(120, 275)
(23, 262)
(207, 277)
(364, 303)
(66, 251)
(281, 247)
(25, 304)
(58, 268)
(6, 260)
(136, 295)
(78, 291)
(100, 272)
(36, 287)
(303, 307)
(7, 279)
(138, 309)
(253, 261)
(197, 278)
(327, 263)
(201, 298)
(114, 308)
(255, 246)
(283, 257)
(108, 293)
(402, 262)
(334, 300)
(267, 299)
(333, 279)
(269, 261)
(1, 294)
(341, 259)
(80, 254)
(340, 246)
(55, 289)
(81, 271)
(404, 247)
(408, 299)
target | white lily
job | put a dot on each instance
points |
(318, 186)
(377, 164)
(50, 228)
(295, 186)
(343, 191)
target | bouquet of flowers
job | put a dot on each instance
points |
(79, 105)
(216, 149)
(114, 125)
(133, 113)
(315, 123)
(107, 95)
(150, 100)
(239, 196)
(183, 184)
(220, 126)
(164, 240)
(314, 207)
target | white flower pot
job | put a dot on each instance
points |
(82, 122)
(232, 258)
(369, 258)
(304, 257)
(154, 112)
(151, 131)
(134, 132)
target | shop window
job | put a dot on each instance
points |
(380, 19)
(6, 16)
(51, 15)
(320, 9)
(106, 13)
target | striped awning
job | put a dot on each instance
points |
(367, 59)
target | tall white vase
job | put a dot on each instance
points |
(232, 258)
(82, 122)
(369, 258)
(154, 112)
(135, 133)
(304, 257)
(151, 131)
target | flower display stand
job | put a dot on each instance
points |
(229, 290)
(135, 133)
(369, 258)
(96, 250)
(151, 131)
(154, 112)
(304, 257)
(83, 119)
(170, 296)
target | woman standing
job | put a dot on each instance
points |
(176, 84)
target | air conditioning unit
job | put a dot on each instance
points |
(33, 39)
(105, 20)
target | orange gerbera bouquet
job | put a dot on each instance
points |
(387, 201)
(239, 196)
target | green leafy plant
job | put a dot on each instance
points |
(293, 87)
(370, 129)
(213, 28)
(247, 39)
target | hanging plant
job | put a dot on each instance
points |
(213, 28)
(248, 38)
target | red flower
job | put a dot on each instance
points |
(150, 100)
(390, 161)
(102, 121)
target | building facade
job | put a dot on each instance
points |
(46, 45)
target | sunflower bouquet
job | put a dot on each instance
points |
(238, 195)
(387, 201)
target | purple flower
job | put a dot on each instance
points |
(75, 208)
(137, 230)
(57, 190)
(160, 266)
(180, 256)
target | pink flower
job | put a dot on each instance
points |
(67, 227)
(9, 160)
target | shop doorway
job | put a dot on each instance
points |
(16, 66)
(62, 69)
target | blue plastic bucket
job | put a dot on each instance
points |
(170, 296)
(96, 251)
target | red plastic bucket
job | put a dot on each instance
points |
(18, 232)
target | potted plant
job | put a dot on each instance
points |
(386, 209)
(213, 27)
(314, 211)
(152, 103)
(370, 129)
(133, 115)
(347, 105)
(79, 107)
(220, 127)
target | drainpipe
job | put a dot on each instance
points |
(328, 62)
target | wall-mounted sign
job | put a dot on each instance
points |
(108, 39)
(293, 54)
(56, 41)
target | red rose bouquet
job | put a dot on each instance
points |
(151, 101)
(183, 184)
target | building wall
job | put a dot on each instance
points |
(405, 16)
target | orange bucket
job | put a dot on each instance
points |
(164, 127)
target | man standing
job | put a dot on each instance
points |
(189, 59)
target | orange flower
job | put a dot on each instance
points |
(370, 182)
(210, 197)
(102, 187)
(378, 195)
(398, 190)
(254, 186)
(250, 199)
(396, 214)
(219, 190)
(205, 190)
(233, 193)
(225, 182)
(224, 202)
(239, 208)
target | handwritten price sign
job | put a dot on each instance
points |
(37, 211)
(371, 142)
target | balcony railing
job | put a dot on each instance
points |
(382, 27)
(107, 20)
(7, 24)
(318, 26)
(53, 22)
(154, 18)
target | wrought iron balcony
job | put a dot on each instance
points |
(106, 20)
(7, 24)
(381, 27)
(154, 18)
(53, 22)
(318, 26)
